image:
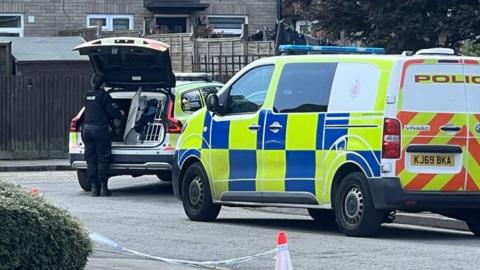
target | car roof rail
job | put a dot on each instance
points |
(307, 49)
(193, 76)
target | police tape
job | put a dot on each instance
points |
(101, 239)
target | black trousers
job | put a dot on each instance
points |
(98, 151)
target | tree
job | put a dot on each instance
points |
(398, 25)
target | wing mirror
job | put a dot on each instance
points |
(213, 103)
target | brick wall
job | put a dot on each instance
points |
(260, 12)
(52, 16)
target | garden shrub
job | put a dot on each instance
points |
(34, 234)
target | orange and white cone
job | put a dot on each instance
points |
(283, 256)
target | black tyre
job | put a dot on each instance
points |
(354, 210)
(322, 216)
(196, 195)
(165, 176)
(474, 225)
(83, 180)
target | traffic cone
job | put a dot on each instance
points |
(283, 256)
(36, 192)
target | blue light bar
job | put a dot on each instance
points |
(330, 49)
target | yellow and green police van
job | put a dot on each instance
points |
(353, 137)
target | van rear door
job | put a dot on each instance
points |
(432, 110)
(472, 75)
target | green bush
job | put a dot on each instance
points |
(37, 235)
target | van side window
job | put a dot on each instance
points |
(304, 87)
(191, 101)
(354, 88)
(248, 93)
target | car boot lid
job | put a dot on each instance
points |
(130, 63)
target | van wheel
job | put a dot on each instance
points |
(196, 195)
(354, 210)
(82, 177)
(322, 216)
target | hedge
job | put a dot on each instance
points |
(34, 234)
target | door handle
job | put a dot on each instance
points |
(254, 127)
(450, 128)
(275, 127)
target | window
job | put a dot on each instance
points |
(227, 25)
(171, 24)
(248, 93)
(191, 101)
(11, 25)
(304, 87)
(473, 89)
(210, 90)
(111, 22)
(434, 88)
(305, 27)
(354, 88)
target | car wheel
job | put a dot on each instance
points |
(322, 216)
(473, 224)
(82, 177)
(196, 195)
(165, 176)
(354, 210)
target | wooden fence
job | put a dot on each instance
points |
(35, 114)
(222, 68)
(186, 49)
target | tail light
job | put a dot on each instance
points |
(173, 125)
(391, 138)
(74, 127)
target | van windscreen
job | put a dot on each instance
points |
(434, 88)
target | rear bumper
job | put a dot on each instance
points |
(136, 163)
(387, 193)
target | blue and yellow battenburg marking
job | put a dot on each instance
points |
(301, 156)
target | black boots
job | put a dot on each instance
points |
(104, 191)
(100, 190)
(95, 190)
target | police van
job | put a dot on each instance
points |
(358, 135)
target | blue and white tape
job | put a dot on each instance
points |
(101, 239)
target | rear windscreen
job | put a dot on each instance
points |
(434, 88)
(473, 88)
(132, 65)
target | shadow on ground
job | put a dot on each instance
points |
(144, 190)
(388, 231)
(139, 190)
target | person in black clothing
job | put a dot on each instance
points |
(99, 113)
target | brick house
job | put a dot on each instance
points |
(48, 17)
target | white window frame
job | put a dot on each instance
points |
(186, 16)
(308, 24)
(109, 20)
(228, 31)
(15, 30)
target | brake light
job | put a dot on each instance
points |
(74, 127)
(391, 138)
(173, 125)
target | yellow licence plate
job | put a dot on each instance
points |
(433, 160)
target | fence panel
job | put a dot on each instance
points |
(35, 113)
(222, 68)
